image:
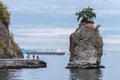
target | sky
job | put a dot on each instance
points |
(47, 24)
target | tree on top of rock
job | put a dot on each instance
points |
(4, 15)
(86, 15)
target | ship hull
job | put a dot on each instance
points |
(46, 53)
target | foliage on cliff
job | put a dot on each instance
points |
(86, 15)
(5, 49)
(2, 43)
(15, 46)
(4, 14)
(8, 47)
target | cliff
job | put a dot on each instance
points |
(86, 47)
(8, 47)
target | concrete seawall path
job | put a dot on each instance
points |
(21, 63)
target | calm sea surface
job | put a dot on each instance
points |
(56, 70)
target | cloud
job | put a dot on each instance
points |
(43, 37)
(111, 42)
(103, 8)
(108, 12)
(49, 7)
(106, 3)
(26, 33)
(112, 39)
(36, 32)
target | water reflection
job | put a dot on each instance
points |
(85, 74)
(7, 74)
(4, 74)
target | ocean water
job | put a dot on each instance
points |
(56, 70)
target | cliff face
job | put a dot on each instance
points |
(8, 47)
(86, 46)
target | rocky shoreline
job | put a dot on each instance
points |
(93, 66)
(21, 63)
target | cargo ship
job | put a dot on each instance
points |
(46, 53)
(58, 52)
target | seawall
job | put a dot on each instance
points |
(21, 63)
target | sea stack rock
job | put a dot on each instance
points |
(86, 47)
(8, 47)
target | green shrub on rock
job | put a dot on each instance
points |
(4, 14)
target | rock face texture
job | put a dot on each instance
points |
(86, 47)
(8, 47)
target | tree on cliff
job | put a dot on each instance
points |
(4, 14)
(86, 15)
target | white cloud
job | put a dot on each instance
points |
(108, 12)
(111, 42)
(103, 8)
(106, 3)
(64, 7)
(37, 32)
(112, 39)
(47, 36)
(49, 7)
